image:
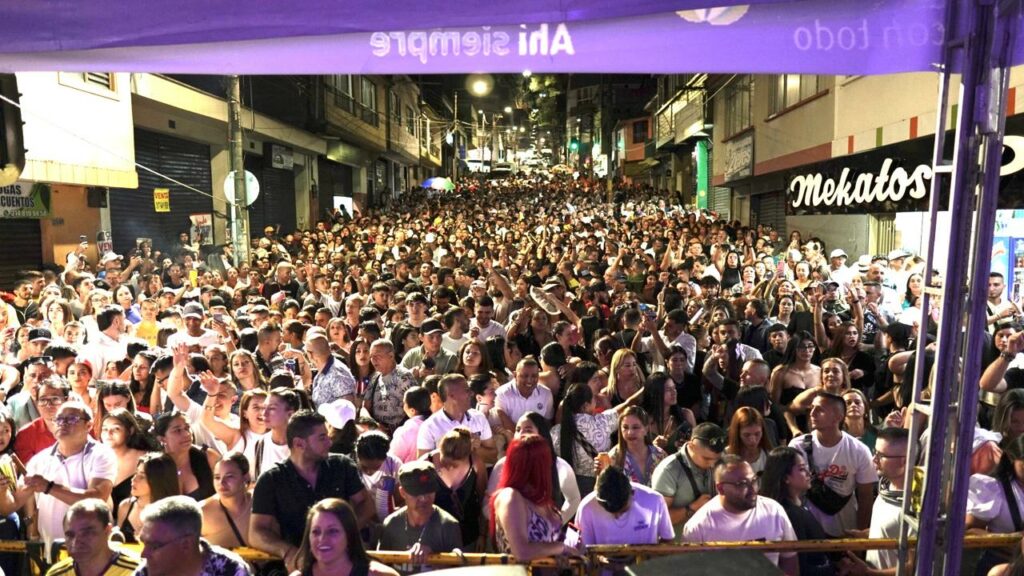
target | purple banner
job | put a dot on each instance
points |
(811, 36)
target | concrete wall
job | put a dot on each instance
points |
(851, 232)
(77, 132)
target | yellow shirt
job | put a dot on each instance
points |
(123, 565)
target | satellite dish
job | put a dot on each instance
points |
(252, 188)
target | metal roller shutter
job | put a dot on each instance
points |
(721, 202)
(131, 211)
(275, 205)
(23, 249)
(769, 209)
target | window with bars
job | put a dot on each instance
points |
(737, 106)
(342, 87)
(790, 89)
(410, 121)
(368, 101)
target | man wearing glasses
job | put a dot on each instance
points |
(75, 468)
(171, 543)
(40, 434)
(738, 514)
(890, 460)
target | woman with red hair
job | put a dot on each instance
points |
(525, 522)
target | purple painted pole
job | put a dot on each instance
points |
(948, 354)
(991, 65)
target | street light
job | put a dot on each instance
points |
(508, 109)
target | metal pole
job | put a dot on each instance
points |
(455, 139)
(985, 75)
(239, 212)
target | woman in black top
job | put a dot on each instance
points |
(155, 478)
(331, 545)
(463, 482)
(194, 463)
(786, 479)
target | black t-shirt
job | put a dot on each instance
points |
(283, 493)
(807, 527)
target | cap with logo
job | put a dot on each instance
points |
(418, 478)
(431, 326)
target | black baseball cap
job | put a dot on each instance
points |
(418, 478)
(711, 435)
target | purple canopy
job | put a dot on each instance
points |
(430, 36)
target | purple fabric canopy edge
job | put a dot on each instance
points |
(63, 25)
(805, 36)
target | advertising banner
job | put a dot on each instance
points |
(25, 200)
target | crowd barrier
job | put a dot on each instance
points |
(593, 555)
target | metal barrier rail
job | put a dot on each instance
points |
(593, 552)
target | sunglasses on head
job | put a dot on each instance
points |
(39, 360)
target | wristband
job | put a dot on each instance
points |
(1007, 356)
(49, 486)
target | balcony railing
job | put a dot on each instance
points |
(348, 104)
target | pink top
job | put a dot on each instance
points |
(403, 442)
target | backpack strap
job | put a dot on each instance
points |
(1011, 503)
(259, 455)
(689, 475)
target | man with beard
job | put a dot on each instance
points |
(738, 514)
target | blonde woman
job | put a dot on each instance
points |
(624, 377)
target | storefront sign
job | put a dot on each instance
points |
(896, 178)
(161, 199)
(25, 200)
(739, 157)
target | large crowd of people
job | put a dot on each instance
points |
(522, 367)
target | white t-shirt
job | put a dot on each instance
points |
(452, 345)
(271, 454)
(842, 467)
(885, 523)
(646, 522)
(766, 521)
(203, 435)
(492, 329)
(987, 502)
(207, 338)
(684, 340)
(508, 399)
(439, 424)
(96, 460)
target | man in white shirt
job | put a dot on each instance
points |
(75, 468)
(457, 325)
(108, 346)
(738, 514)
(524, 394)
(622, 512)
(483, 326)
(455, 394)
(673, 333)
(842, 463)
(194, 336)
